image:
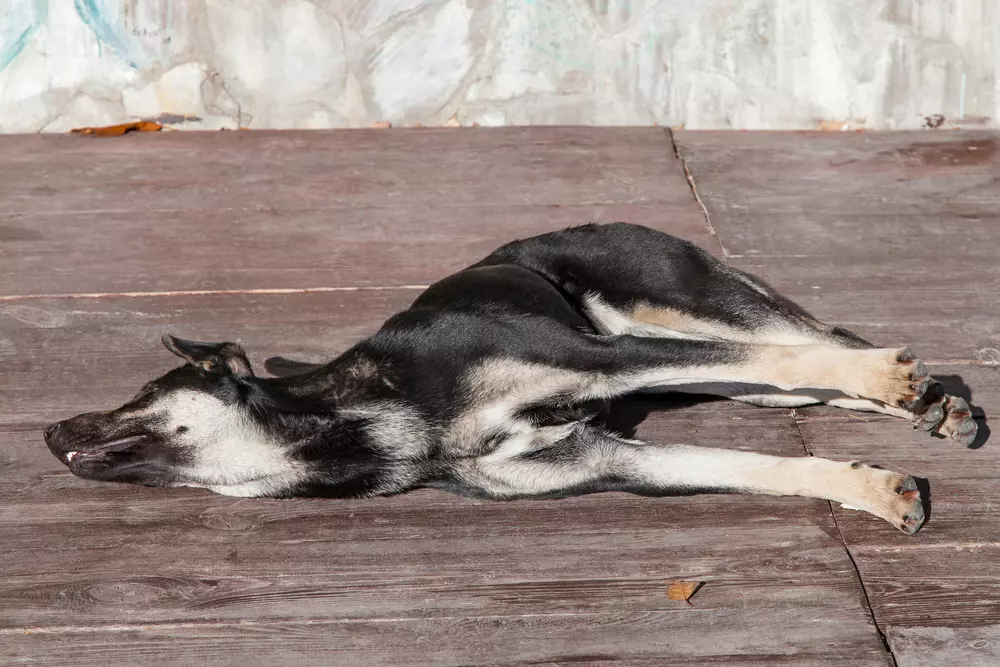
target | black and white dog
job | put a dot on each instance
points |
(495, 383)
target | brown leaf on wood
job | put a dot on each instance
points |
(832, 125)
(119, 130)
(682, 590)
(381, 125)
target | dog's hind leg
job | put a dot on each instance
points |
(634, 280)
(890, 376)
(574, 459)
(798, 375)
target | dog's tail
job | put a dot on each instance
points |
(282, 367)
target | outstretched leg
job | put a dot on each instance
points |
(890, 376)
(574, 459)
(633, 280)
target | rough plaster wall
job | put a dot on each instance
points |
(335, 63)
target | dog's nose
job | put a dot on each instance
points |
(51, 430)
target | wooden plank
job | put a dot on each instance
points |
(616, 639)
(836, 237)
(750, 175)
(947, 574)
(889, 234)
(931, 647)
(893, 236)
(323, 169)
(942, 310)
(330, 209)
(282, 249)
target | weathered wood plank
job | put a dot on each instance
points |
(890, 235)
(931, 647)
(615, 639)
(743, 177)
(947, 574)
(323, 169)
(281, 249)
(944, 312)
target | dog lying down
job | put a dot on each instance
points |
(496, 381)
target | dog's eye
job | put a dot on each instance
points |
(182, 429)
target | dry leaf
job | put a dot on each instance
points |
(682, 590)
(453, 121)
(119, 130)
(381, 125)
(832, 125)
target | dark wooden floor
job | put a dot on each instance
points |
(299, 243)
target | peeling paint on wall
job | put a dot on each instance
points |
(21, 20)
(755, 64)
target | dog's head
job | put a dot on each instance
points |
(198, 425)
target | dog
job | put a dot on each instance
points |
(496, 383)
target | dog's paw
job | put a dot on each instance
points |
(908, 506)
(945, 414)
(892, 496)
(898, 378)
(958, 423)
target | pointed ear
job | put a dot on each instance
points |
(213, 357)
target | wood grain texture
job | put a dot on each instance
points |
(889, 234)
(948, 574)
(893, 236)
(219, 171)
(231, 211)
(281, 249)
(615, 639)
(929, 647)
(741, 176)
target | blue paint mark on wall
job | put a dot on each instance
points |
(20, 22)
(95, 15)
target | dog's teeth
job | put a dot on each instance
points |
(70, 455)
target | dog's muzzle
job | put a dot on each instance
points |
(70, 449)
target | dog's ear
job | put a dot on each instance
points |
(212, 357)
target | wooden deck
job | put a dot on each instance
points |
(299, 243)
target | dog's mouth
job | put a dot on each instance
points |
(102, 450)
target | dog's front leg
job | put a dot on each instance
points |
(572, 460)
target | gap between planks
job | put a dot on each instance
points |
(694, 192)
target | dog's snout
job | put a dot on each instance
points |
(52, 429)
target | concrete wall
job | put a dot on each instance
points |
(335, 63)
